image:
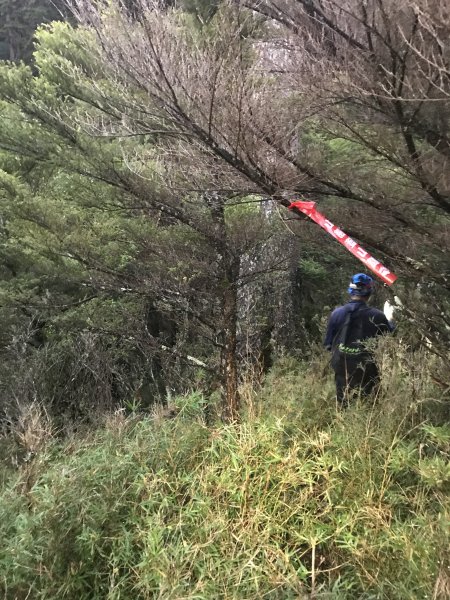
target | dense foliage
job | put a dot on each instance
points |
(148, 152)
(297, 500)
(142, 246)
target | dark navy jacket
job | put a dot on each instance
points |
(369, 322)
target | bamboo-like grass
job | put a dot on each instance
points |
(300, 500)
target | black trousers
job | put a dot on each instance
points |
(355, 374)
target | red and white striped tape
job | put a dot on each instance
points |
(309, 209)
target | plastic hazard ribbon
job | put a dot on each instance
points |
(309, 209)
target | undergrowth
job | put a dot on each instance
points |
(298, 501)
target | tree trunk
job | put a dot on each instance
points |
(229, 366)
(10, 38)
(229, 267)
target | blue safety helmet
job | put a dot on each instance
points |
(360, 285)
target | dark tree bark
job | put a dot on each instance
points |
(229, 366)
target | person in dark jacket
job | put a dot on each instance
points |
(349, 328)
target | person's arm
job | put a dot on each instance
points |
(332, 329)
(382, 323)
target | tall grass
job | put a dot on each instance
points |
(298, 501)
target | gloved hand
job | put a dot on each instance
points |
(389, 309)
